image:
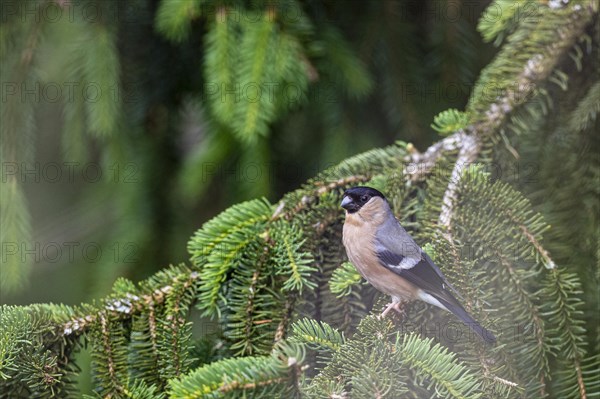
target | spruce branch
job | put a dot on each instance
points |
(469, 150)
(537, 69)
(560, 312)
(236, 385)
(108, 352)
(319, 190)
(127, 306)
(534, 71)
(468, 141)
(548, 262)
(524, 296)
(287, 316)
(418, 165)
(580, 382)
(146, 325)
(17, 132)
(505, 382)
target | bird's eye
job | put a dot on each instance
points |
(364, 198)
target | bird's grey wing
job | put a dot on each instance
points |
(424, 274)
(428, 277)
(391, 237)
(398, 252)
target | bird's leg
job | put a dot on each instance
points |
(397, 304)
(389, 307)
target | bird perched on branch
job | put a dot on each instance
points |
(390, 260)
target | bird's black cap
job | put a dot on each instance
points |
(354, 198)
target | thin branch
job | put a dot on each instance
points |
(548, 262)
(307, 200)
(536, 69)
(470, 147)
(250, 311)
(125, 307)
(525, 297)
(287, 315)
(418, 165)
(250, 385)
(580, 382)
(108, 349)
(505, 382)
(152, 328)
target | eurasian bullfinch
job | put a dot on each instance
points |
(388, 258)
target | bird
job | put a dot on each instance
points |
(389, 259)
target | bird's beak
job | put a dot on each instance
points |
(346, 202)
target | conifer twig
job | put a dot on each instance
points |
(580, 382)
(307, 200)
(236, 385)
(505, 382)
(125, 307)
(469, 150)
(548, 262)
(467, 141)
(108, 350)
(287, 315)
(420, 165)
(537, 69)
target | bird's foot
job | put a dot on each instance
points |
(397, 306)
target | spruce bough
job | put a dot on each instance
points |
(294, 317)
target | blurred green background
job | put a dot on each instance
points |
(126, 125)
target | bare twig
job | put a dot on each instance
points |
(418, 165)
(505, 382)
(470, 146)
(580, 382)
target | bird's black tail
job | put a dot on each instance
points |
(466, 318)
